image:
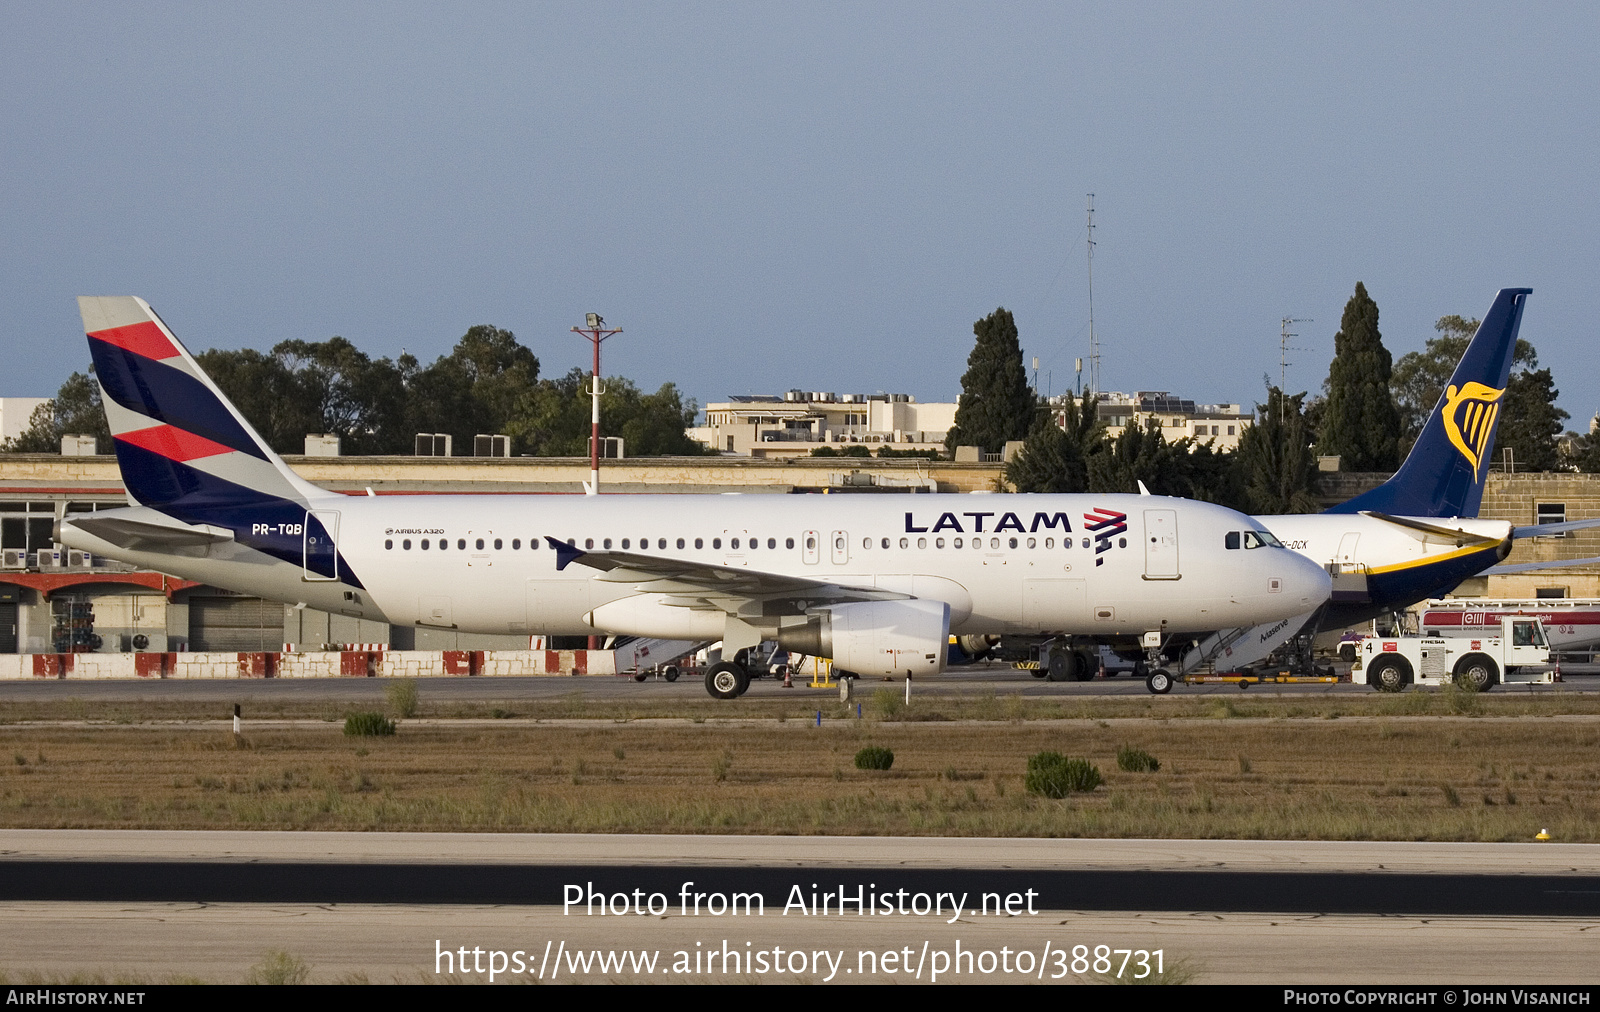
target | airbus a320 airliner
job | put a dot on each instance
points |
(877, 583)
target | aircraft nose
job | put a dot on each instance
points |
(1306, 581)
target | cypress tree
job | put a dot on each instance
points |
(1275, 458)
(996, 403)
(1532, 424)
(1361, 423)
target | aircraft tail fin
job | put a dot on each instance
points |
(182, 447)
(1444, 473)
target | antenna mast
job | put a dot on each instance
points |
(1094, 343)
(1284, 349)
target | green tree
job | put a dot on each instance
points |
(551, 419)
(1137, 454)
(74, 410)
(478, 387)
(1584, 450)
(1361, 423)
(996, 404)
(265, 392)
(1275, 459)
(1420, 377)
(1531, 424)
(345, 393)
(1055, 456)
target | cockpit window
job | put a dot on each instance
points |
(1231, 540)
(1259, 539)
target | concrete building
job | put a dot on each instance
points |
(800, 421)
(1178, 418)
(16, 413)
(1527, 499)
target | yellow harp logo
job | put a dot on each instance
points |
(1469, 417)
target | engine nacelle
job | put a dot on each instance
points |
(651, 615)
(877, 637)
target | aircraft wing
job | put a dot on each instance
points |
(1550, 530)
(142, 535)
(1533, 567)
(725, 587)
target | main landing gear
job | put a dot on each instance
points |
(727, 680)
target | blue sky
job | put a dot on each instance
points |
(823, 196)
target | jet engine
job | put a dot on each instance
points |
(876, 637)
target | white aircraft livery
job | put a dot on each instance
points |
(876, 582)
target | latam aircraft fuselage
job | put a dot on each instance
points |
(1084, 564)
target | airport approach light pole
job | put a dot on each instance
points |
(594, 330)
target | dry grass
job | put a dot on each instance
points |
(1431, 778)
(931, 702)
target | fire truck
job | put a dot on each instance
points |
(1515, 652)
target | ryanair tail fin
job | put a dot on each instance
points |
(182, 447)
(1443, 475)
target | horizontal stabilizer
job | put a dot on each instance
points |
(142, 535)
(1462, 538)
(1534, 567)
(1551, 530)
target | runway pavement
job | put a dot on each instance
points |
(1002, 681)
(153, 903)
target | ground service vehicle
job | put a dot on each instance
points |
(1517, 651)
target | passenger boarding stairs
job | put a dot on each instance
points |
(1232, 649)
(643, 653)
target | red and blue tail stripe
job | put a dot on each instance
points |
(182, 448)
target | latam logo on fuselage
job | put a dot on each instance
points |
(1007, 522)
(1105, 524)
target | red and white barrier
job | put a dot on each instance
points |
(370, 660)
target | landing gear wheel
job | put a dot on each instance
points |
(1159, 682)
(1061, 665)
(670, 673)
(1088, 664)
(726, 680)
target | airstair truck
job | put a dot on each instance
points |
(1517, 652)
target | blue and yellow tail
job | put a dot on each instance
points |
(1444, 473)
